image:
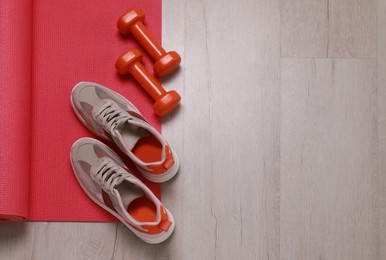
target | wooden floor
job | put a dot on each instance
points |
(282, 138)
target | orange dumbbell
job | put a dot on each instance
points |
(130, 62)
(165, 62)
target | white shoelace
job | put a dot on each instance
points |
(109, 175)
(111, 115)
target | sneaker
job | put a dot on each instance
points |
(106, 180)
(109, 115)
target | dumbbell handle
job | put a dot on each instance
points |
(146, 80)
(147, 41)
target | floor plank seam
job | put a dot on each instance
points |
(115, 241)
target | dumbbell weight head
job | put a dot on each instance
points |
(166, 103)
(129, 19)
(127, 60)
(167, 64)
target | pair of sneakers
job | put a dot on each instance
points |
(103, 175)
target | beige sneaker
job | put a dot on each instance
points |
(106, 180)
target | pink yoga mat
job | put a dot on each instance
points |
(46, 48)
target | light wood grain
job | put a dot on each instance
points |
(353, 28)
(381, 201)
(304, 28)
(329, 28)
(328, 159)
(280, 158)
(231, 130)
(57, 240)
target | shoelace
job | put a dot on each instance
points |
(111, 115)
(109, 175)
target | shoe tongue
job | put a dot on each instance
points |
(98, 165)
(99, 107)
(103, 105)
(107, 162)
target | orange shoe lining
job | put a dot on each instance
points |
(143, 209)
(148, 149)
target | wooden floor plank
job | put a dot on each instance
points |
(230, 133)
(42, 240)
(304, 28)
(352, 28)
(328, 159)
(382, 123)
(197, 219)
